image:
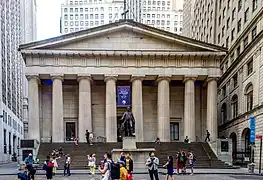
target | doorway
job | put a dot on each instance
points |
(70, 131)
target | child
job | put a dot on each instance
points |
(92, 164)
(123, 171)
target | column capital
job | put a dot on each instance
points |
(137, 77)
(163, 77)
(110, 77)
(33, 76)
(84, 76)
(212, 79)
(187, 78)
(57, 76)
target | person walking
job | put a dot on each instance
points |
(207, 138)
(191, 160)
(106, 167)
(152, 163)
(67, 165)
(87, 136)
(123, 171)
(129, 165)
(92, 164)
(48, 167)
(170, 169)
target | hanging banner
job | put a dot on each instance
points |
(252, 129)
(123, 96)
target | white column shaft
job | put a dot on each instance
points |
(189, 110)
(57, 111)
(163, 110)
(33, 109)
(137, 108)
(111, 121)
(211, 108)
(85, 117)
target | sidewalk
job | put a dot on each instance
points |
(12, 169)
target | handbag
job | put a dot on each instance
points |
(129, 176)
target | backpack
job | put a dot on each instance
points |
(114, 170)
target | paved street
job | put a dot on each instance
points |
(146, 177)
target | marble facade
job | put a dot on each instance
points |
(73, 78)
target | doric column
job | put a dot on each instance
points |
(163, 108)
(137, 107)
(211, 107)
(189, 108)
(57, 109)
(33, 107)
(85, 117)
(111, 119)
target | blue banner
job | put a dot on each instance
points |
(123, 96)
(252, 129)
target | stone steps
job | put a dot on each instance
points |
(79, 154)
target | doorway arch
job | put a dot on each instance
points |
(233, 137)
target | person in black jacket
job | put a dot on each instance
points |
(129, 163)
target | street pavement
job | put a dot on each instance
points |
(146, 177)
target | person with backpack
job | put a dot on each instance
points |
(191, 160)
(48, 167)
(107, 167)
(152, 163)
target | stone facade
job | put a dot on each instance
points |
(78, 74)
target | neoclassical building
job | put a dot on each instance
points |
(84, 81)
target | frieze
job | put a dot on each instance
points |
(138, 62)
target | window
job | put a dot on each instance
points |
(224, 91)
(227, 42)
(220, 4)
(232, 58)
(223, 31)
(245, 42)
(223, 113)
(239, 25)
(233, 14)
(81, 10)
(101, 9)
(233, 34)
(65, 10)
(254, 5)
(249, 95)
(76, 23)
(228, 4)
(76, 10)
(218, 38)
(234, 104)
(254, 32)
(224, 13)
(239, 5)
(250, 67)
(219, 21)
(238, 50)
(5, 145)
(71, 10)
(246, 15)
(235, 80)
(66, 17)
(174, 131)
(228, 23)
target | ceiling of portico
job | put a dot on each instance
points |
(122, 36)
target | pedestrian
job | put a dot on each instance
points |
(48, 167)
(76, 141)
(186, 140)
(87, 136)
(29, 166)
(207, 138)
(55, 165)
(67, 165)
(92, 164)
(123, 171)
(91, 138)
(122, 157)
(152, 163)
(170, 169)
(106, 167)
(183, 161)
(191, 160)
(179, 165)
(129, 165)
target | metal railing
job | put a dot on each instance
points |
(209, 157)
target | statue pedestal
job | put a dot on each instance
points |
(139, 156)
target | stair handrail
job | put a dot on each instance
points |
(209, 157)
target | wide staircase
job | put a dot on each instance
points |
(204, 154)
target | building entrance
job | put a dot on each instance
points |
(70, 131)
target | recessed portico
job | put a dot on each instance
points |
(75, 77)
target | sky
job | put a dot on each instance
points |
(48, 17)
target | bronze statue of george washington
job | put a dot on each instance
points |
(128, 124)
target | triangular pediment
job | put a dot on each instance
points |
(123, 35)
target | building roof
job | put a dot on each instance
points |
(130, 24)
